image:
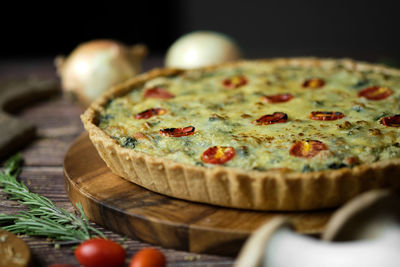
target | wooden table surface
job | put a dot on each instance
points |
(58, 124)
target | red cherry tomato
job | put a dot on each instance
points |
(99, 252)
(218, 154)
(375, 93)
(234, 82)
(392, 121)
(326, 115)
(177, 132)
(279, 98)
(158, 92)
(307, 149)
(148, 257)
(313, 83)
(276, 117)
(148, 113)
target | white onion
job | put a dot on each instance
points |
(199, 49)
(95, 66)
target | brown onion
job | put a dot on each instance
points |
(95, 66)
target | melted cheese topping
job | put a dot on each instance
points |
(223, 117)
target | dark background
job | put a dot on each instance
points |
(367, 30)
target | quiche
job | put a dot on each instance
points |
(279, 134)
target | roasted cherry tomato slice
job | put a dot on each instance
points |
(99, 252)
(307, 149)
(235, 82)
(326, 115)
(392, 121)
(158, 92)
(313, 83)
(148, 113)
(276, 117)
(279, 98)
(375, 92)
(218, 154)
(177, 132)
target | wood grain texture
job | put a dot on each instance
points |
(137, 212)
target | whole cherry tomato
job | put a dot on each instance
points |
(99, 252)
(148, 257)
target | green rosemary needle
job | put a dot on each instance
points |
(42, 218)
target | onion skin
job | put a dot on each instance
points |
(200, 49)
(95, 66)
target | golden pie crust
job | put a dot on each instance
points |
(231, 187)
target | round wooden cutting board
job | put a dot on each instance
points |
(127, 208)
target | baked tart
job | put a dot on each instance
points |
(281, 134)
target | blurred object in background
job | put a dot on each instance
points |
(363, 232)
(14, 95)
(200, 49)
(95, 66)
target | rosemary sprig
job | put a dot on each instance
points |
(42, 218)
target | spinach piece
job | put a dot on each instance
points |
(337, 165)
(360, 83)
(357, 108)
(216, 117)
(243, 151)
(319, 103)
(380, 116)
(103, 118)
(307, 168)
(128, 142)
